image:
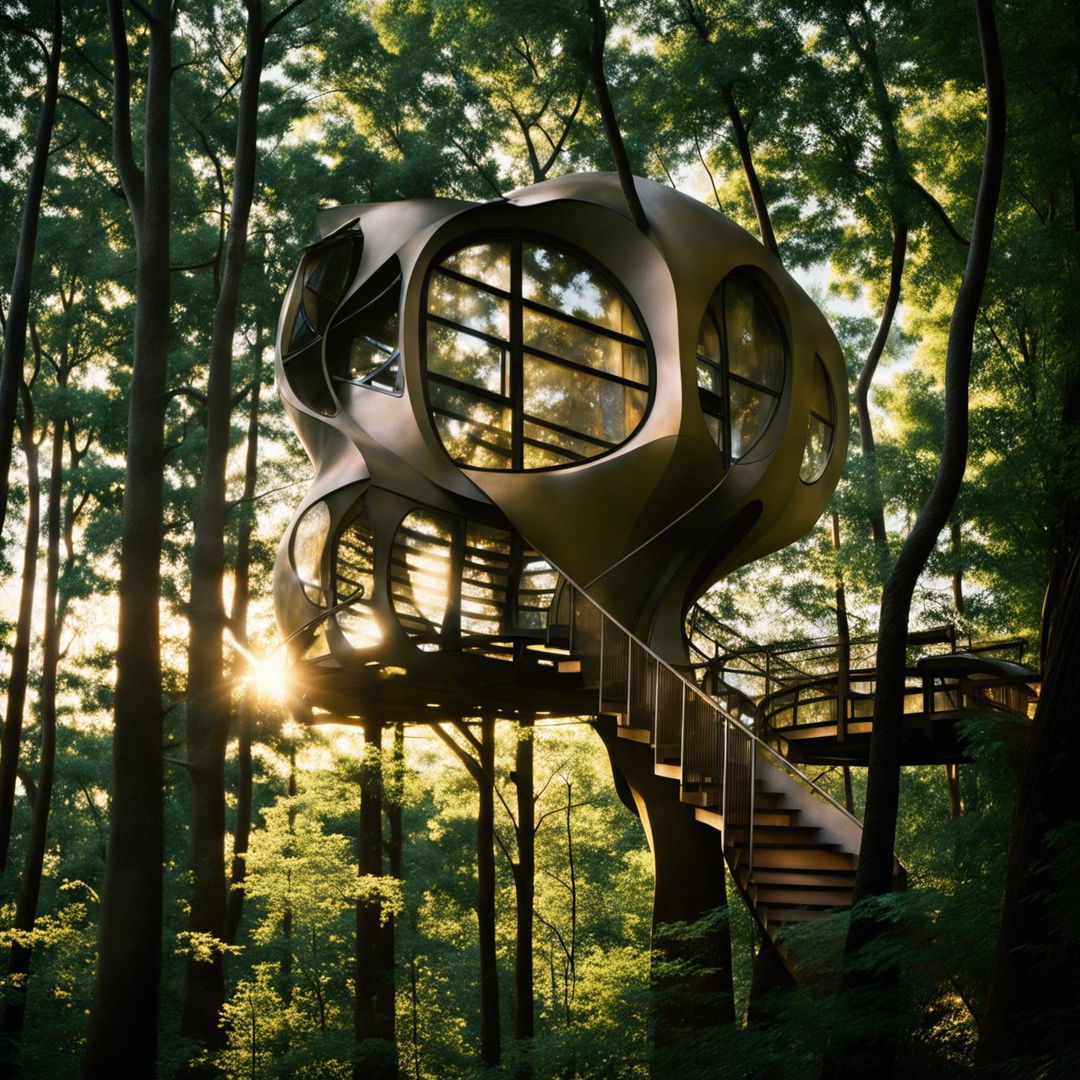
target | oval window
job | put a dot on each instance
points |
(533, 357)
(740, 366)
(821, 427)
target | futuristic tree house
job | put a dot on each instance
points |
(497, 397)
(539, 434)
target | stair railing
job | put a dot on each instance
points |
(714, 750)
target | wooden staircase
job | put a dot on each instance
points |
(791, 849)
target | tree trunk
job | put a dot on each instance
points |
(490, 1027)
(10, 741)
(595, 59)
(1030, 1016)
(30, 889)
(208, 702)
(753, 181)
(524, 882)
(373, 1002)
(875, 866)
(245, 734)
(18, 317)
(122, 1036)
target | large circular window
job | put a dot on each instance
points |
(740, 365)
(533, 356)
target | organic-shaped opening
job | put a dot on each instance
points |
(821, 427)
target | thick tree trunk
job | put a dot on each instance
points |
(1030, 1016)
(18, 316)
(10, 741)
(373, 975)
(875, 867)
(30, 889)
(122, 1037)
(208, 702)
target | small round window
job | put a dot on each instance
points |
(740, 366)
(821, 427)
(533, 356)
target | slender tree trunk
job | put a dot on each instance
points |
(245, 731)
(122, 1037)
(875, 867)
(955, 542)
(607, 115)
(843, 649)
(10, 741)
(524, 882)
(18, 317)
(208, 705)
(753, 181)
(30, 889)
(490, 1026)
(876, 509)
(373, 1002)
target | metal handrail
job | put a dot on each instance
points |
(759, 744)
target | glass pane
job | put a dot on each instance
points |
(420, 573)
(473, 430)
(755, 349)
(710, 378)
(485, 580)
(309, 543)
(716, 429)
(562, 281)
(581, 402)
(584, 346)
(466, 358)
(489, 263)
(368, 334)
(750, 412)
(536, 590)
(354, 578)
(708, 345)
(816, 454)
(469, 306)
(556, 447)
(821, 398)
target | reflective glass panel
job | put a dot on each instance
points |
(474, 430)
(469, 306)
(580, 401)
(573, 342)
(309, 543)
(485, 580)
(489, 263)
(755, 348)
(750, 412)
(466, 358)
(821, 398)
(536, 591)
(816, 454)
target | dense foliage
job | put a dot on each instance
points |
(849, 137)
